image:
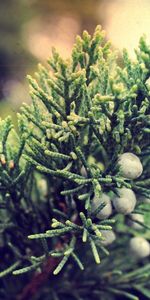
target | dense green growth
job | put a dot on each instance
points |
(85, 113)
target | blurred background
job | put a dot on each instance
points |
(29, 28)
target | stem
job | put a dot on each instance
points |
(38, 280)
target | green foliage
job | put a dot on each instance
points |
(86, 111)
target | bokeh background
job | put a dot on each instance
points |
(29, 28)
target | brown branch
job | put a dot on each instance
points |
(38, 280)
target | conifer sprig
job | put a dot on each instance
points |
(81, 148)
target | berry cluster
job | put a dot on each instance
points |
(125, 203)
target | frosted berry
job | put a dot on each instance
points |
(107, 210)
(147, 200)
(143, 199)
(42, 185)
(139, 247)
(130, 165)
(109, 236)
(83, 171)
(125, 202)
(136, 217)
